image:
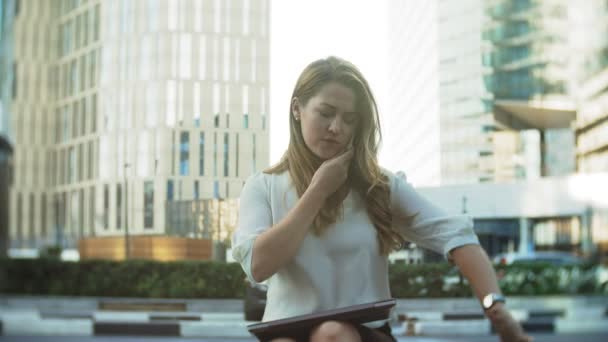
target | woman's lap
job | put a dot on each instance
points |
(381, 334)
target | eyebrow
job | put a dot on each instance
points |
(334, 108)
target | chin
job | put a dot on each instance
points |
(326, 154)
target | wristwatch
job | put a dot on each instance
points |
(492, 298)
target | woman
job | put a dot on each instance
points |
(319, 225)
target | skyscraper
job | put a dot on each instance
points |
(125, 105)
(505, 83)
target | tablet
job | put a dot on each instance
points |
(356, 314)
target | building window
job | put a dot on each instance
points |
(92, 68)
(14, 83)
(91, 158)
(253, 166)
(96, 24)
(201, 154)
(106, 206)
(202, 57)
(245, 121)
(32, 223)
(217, 15)
(92, 210)
(94, 113)
(197, 104)
(246, 17)
(118, 206)
(236, 155)
(216, 189)
(214, 154)
(185, 55)
(196, 190)
(19, 221)
(184, 153)
(148, 204)
(170, 190)
(43, 224)
(72, 165)
(226, 149)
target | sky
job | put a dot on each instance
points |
(304, 31)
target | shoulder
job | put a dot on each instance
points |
(266, 182)
(393, 178)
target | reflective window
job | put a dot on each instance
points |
(43, 223)
(119, 208)
(148, 204)
(184, 153)
(216, 53)
(226, 158)
(201, 154)
(171, 102)
(198, 16)
(172, 15)
(226, 58)
(253, 61)
(96, 24)
(170, 190)
(106, 206)
(185, 56)
(217, 15)
(151, 105)
(236, 155)
(214, 154)
(196, 190)
(197, 104)
(72, 165)
(202, 58)
(237, 60)
(253, 148)
(246, 4)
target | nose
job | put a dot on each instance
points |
(336, 125)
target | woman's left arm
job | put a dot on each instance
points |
(475, 265)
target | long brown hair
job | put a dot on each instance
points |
(365, 175)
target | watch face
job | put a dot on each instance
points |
(487, 301)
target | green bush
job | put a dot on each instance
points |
(203, 279)
(133, 278)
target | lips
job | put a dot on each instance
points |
(331, 141)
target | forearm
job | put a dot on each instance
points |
(475, 265)
(278, 245)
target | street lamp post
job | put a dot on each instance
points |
(126, 213)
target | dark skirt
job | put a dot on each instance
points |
(381, 334)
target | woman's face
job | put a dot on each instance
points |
(328, 120)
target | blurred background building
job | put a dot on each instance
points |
(119, 108)
(144, 118)
(522, 89)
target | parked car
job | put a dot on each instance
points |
(255, 301)
(548, 257)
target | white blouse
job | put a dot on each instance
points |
(342, 267)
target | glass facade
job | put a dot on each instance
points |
(184, 154)
(130, 82)
(148, 204)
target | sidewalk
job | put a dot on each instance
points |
(70, 316)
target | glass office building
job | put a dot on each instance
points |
(123, 106)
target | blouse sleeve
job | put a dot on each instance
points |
(254, 218)
(432, 227)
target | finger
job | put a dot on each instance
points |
(346, 156)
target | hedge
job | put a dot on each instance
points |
(204, 279)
